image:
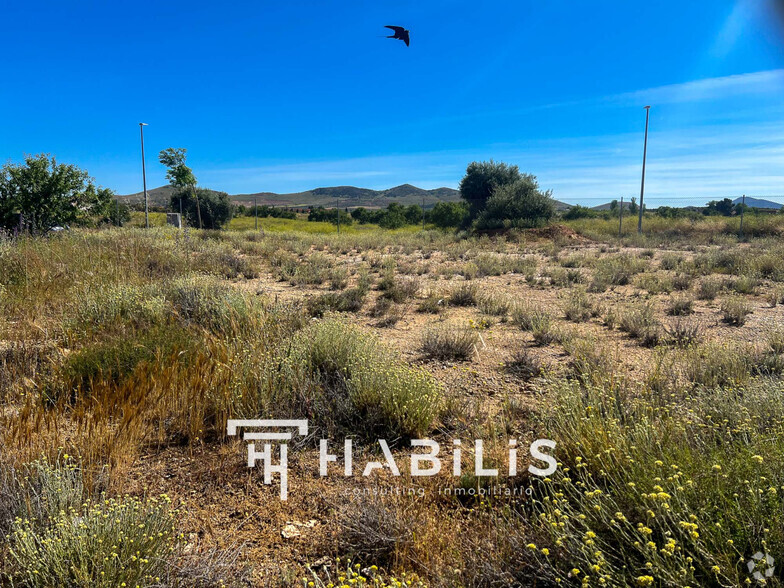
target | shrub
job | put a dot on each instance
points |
(433, 304)
(481, 180)
(211, 207)
(338, 278)
(343, 377)
(382, 306)
(520, 204)
(709, 288)
(745, 285)
(615, 271)
(315, 270)
(350, 300)
(670, 261)
(579, 307)
(681, 282)
(494, 304)
(464, 295)
(775, 296)
(683, 333)
(524, 363)
(776, 340)
(677, 483)
(713, 365)
(399, 289)
(640, 322)
(654, 283)
(734, 311)
(531, 318)
(449, 342)
(680, 307)
(72, 542)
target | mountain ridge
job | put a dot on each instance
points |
(349, 196)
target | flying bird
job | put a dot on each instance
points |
(400, 33)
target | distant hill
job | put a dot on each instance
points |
(349, 196)
(608, 205)
(758, 203)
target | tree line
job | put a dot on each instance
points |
(41, 193)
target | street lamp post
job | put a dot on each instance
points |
(144, 180)
(644, 156)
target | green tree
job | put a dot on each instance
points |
(447, 215)
(481, 180)
(181, 178)
(394, 217)
(413, 214)
(521, 205)
(211, 209)
(723, 207)
(47, 194)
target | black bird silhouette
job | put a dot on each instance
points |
(400, 33)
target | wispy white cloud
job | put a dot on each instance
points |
(757, 83)
(691, 165)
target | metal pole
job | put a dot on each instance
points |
(742, 210)
(144, 179)
(337, 210)
(256, 213)
(620, 219)
(644, 157)
(423, 213)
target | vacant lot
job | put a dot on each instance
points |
(655, 363)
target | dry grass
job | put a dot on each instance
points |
(128, 350)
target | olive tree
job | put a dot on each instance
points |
(481, 180)
(520, 204)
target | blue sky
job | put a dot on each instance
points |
(287, 96)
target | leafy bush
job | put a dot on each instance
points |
(47, 194)
(212, 208)
(446, 215)
(521, 204)
(481, 180)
